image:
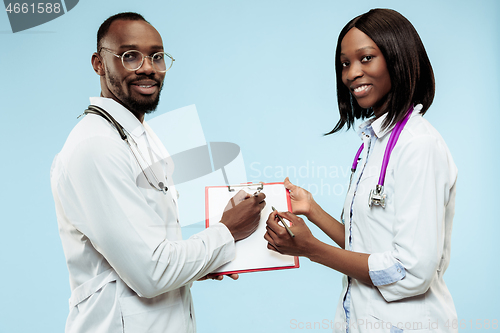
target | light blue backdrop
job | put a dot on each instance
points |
(266, 66)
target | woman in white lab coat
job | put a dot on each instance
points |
(394, 233)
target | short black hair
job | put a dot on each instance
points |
(104, 28)
(412, 77)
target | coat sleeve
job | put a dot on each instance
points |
(100, 197)
(424, 183)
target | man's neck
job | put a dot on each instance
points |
(137, 114)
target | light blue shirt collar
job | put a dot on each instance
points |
(376, 124)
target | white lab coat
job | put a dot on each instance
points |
(130, 270)
(409, 240)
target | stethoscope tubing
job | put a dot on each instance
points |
(391, 144)
(393, 139)
(121, 131)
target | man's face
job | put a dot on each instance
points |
(139, 90)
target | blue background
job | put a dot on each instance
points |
(266, 66)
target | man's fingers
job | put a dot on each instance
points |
(211, 277)
(260, 197)
(240, 196)
(233, 276)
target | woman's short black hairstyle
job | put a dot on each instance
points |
(104, 28)
(412, 78)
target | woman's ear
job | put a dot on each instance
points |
(97, 64)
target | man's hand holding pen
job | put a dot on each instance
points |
(242, 214)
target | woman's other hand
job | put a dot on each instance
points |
(302, 200)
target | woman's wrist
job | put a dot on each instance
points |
(314, 211)
(314, 250)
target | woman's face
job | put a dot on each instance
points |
(364, 71)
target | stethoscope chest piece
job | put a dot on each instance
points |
(377, 197)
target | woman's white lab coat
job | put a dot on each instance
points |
(408, 240)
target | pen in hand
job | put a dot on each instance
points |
(286, 226)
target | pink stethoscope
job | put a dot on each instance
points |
(377, 195)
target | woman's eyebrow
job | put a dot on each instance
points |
(361, 49)
(365, 48)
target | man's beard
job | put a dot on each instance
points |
(134, 105)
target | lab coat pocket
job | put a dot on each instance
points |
(407, 314)
(377, 325)
(92, 299)
(92, 286)
(163, 313)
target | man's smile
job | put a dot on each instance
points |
(145, 87)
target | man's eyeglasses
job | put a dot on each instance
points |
(132, 60)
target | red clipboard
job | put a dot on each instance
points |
(252, 254)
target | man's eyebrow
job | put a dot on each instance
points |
(133, 46)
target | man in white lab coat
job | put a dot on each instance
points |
(130, 270)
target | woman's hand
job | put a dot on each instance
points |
(302, 200)
(279, 239)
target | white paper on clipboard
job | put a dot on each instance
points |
(252, 253)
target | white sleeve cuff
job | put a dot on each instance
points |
(224, 237)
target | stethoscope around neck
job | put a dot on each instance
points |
(101, 112)
(377, 196)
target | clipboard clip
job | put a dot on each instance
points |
(258, 186)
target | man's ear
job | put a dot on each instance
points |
(97, 64)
